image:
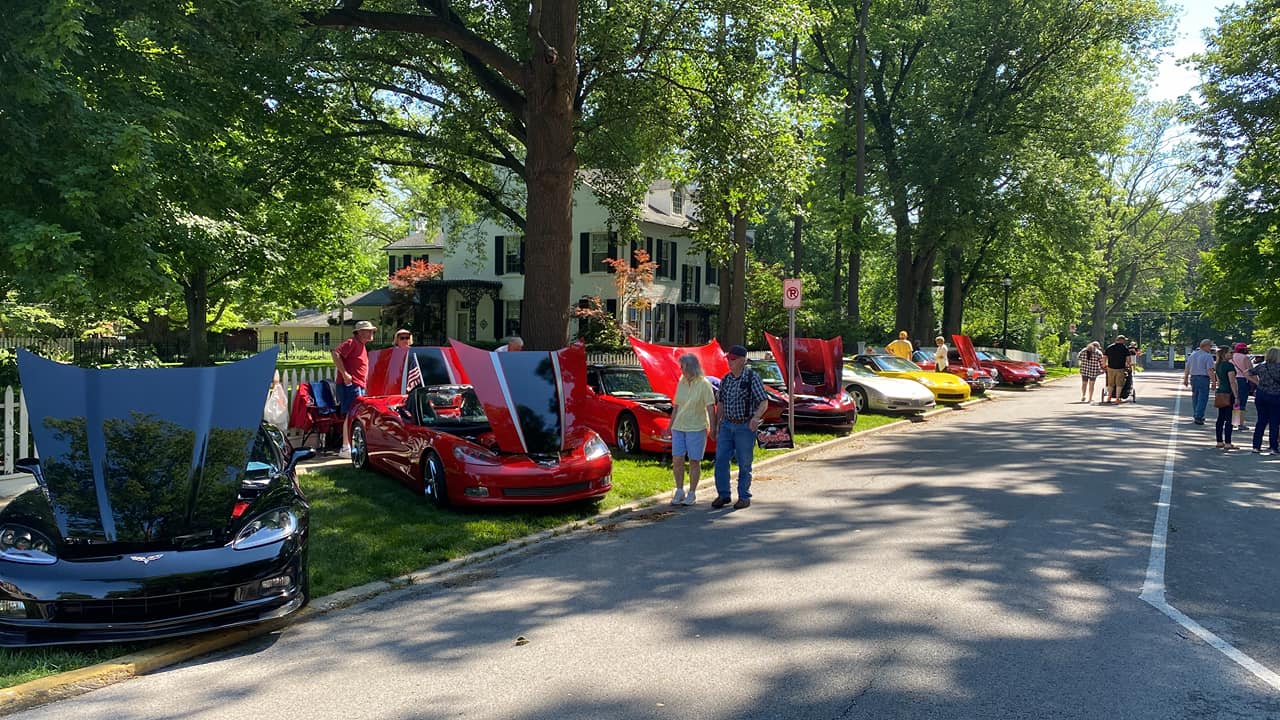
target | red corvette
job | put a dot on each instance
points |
(1004, 371)
(820, 398)
(624, 409)
(661, 365)
(389, 369)
(959, 363)
(512, 437)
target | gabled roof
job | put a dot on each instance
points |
(417, 240)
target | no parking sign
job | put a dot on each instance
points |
(791, 294)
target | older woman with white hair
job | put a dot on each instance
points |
(692, 412)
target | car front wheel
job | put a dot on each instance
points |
(433, 483)
(359, 447)
(628, 433)
(860, 400)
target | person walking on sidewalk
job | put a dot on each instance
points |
(1267, 399)
(1225, 399)
(1198, 375)
(692, 411)
(740, 409)
(1090, 362)
(1118, 363)
(1244, 387)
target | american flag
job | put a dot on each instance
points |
(415, 374)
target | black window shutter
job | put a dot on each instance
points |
(426, 258)
(499, 255)
(391, 265)
(684, 283)
(408, 260)
(697, 284)
(499, 319)
(671, 308)
(635, 245)
(662, 263)
(584, 253)
(611, 306)
(521, 255)
(648, 247)
(671, 260)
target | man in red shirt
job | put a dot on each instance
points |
(352, 361)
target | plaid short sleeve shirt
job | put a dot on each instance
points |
(739, 396)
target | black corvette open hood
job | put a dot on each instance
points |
(140, 456)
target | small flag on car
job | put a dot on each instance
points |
(415, 374)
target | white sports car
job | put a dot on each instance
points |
(873, 392)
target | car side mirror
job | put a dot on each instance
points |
(30, 466)
(298, 456)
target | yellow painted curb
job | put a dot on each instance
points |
(76, 682)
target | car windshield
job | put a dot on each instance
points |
(456, 405)
(997, 355)
(983, 356)
(859, 370)
(893, 363)
(768, 371)
(626, 382)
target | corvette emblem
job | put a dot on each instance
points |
(146, 559)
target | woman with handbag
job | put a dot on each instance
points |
(1225, 398)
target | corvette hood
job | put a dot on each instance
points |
(392, 370)
(661, 363)
(814, 358)
(967, 353)
(530, 398)
(146, 455)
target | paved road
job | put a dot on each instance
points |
(985, 564)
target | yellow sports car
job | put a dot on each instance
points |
(944, 386)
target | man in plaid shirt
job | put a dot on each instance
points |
(740, 405)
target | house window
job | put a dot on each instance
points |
(511, 323)
(407, 260)
(320, 339)
(514, 252)
(686, 283)
(599, 251)
(281, 338)
(660, 323)
(677, 201)
(711, 272)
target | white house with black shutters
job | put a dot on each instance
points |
(479, 296)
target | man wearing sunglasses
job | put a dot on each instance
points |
(740, 406)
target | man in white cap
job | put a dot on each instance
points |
(352, 361)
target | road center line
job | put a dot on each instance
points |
(1153, 588)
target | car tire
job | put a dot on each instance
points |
(359, 447)
(627, 434)
(433, 480)
(860, 399)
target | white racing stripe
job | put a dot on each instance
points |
(1153, 588)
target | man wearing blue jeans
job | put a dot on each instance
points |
(740, 405)
(1199, 376)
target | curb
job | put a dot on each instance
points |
(77, 682)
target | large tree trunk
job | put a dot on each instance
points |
(735, 329)
(195, 295)
(550, 167)
(1098, 312)
(953, 292)
(905, 291)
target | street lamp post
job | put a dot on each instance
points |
(1006, 281)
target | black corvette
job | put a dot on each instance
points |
(164, 506)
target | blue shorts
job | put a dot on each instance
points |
(347, 395)
(689, 443)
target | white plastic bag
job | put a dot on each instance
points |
(277, 409)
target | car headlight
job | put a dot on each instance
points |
(267, 528)
(475, 455)
(24, 545)
(845, 397)
(595, 448)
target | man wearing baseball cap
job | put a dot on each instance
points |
(352, 361)
(740, 405)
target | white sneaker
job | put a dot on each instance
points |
(678, 498)
(345, 453)
(689, 499)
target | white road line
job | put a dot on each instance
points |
(1153, 588)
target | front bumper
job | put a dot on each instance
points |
(524, 482)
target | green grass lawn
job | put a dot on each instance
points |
(366, 527)
(1057, 371)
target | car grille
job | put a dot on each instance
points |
(950, 396)
(547, 490)
(121, 610)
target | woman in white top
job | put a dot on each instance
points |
(691, 414)
(940, 355)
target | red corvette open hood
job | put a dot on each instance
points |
(390, 369)
(661, 363)
(967, 353)
(530, 398)
(814, 357)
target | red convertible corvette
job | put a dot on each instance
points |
(1002, 369)
(820, 398)
(513, 436)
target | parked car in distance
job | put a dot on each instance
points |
(1008, 372)
(944, 386)
(875, 392)
(164, 506)
(508, 438)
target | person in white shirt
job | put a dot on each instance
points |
(513, 344)
(940, 355)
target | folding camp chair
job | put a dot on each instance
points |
(321, 417)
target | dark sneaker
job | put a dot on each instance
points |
(742, 503)
(720, 502)
(1199, 421)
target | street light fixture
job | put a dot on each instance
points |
(1006, 281)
